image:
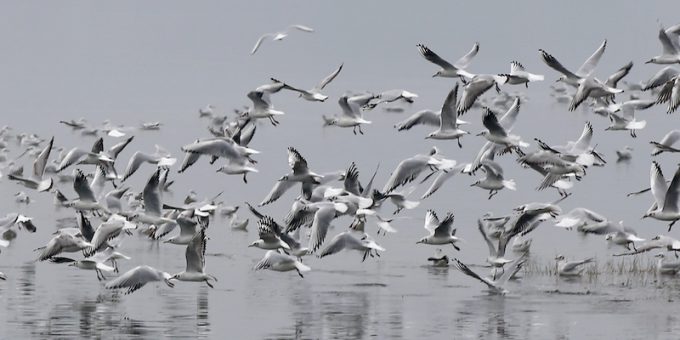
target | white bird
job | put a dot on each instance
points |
(281, 263)
(300, 174)
(441, 232)
(584, 71)
(579, 217)
(262, 106)
(409, 169)
(495, 133)
(221, 148)
(666, 143)
(477, 86)
(519, 75)
(666, 267)
(347, 241)
(137, 277)
(670, 53)
(315, 94)
(439, 259)
(398, 199)
(351, 113)
(657, 242)
(570, 268)
(670, 92)
(276, 36)
(139, 158)
(495, 286)
(494, 180)
(623, 238)
(62, 243)
(660, 78)
(666, 197)
(444, 175)
(36, 181)
(448, 125)
(195, 258)
(626, 121)
(447, 70)
(269, 235)
(106, 232)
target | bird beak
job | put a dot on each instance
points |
(479, 134)
(649, 61)
(434, 75)
(558, 80)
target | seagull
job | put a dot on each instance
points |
(670, 51)
(443, 176)
(62, 243)
(623, 238)
(439, 259)
(398, 199)
(95, 156)
(476, 87)
(409, 169)
(390, 96)
(494, 180)
(495, 133)
(276, 36)
(351, 113)
(666, 143)
(262, 107)
(448, 126)
(657, 242)
(666, 197)
(579, 217)
(424, 117)
(291, 239)
(195, 257)
(624, 154)
(346, 240)
(571, 268)
(153, 204)
(666, 267)
(87, 201)
(440, 232)
(281, 263)
(137, 277)
(578, 151)
(447, 70)
(315, 95)
(220, 147)
(269, 236)
(626, 121)
(519, 75)
(300, 174)
(670, 92)
(584, 71)
(659, 78)
(36, 181)
(139, 158)
(106, 232)
(495, 286)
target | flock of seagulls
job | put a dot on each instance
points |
(107, 210)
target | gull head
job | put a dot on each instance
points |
(422, 240)
(255, 243)
(559, 258)
(609, 237)
(483, 133)
(561, 78)
(653, 60)
(431, 135)
(475, 184)
(283, 178)
(438, 74)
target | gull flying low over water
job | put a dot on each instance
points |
(441, 232)
(314, 94)
(275, 261)
(495, 286)
(195, 258)
(670, 92)
(447, 70)
(666, 143)
(476, 87)
(137, 277)
(519, 75)
(666, 206)
(352, 115)
(448, 125)
(571, 268)
(346, 240)
(494, 180)
(277, 36)
(36, 181)
(300, 174)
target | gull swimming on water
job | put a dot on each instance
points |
(448, 126)
(137, 277)
(495, 286)
(439, 259)
(281, 263)
(276, 36)
(447, 70)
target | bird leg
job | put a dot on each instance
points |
(459, 145)
(455, 246)
(671, 225)
(633, 244)
(299, 273)
(364, 257)
(360, 131)
(245, 180)
(354, 130)
(211, 286)
(492, 193)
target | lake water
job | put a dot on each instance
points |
(160, 61)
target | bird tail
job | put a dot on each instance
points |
(302, 267)
(510, 184)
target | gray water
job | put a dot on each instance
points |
(161, 60)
